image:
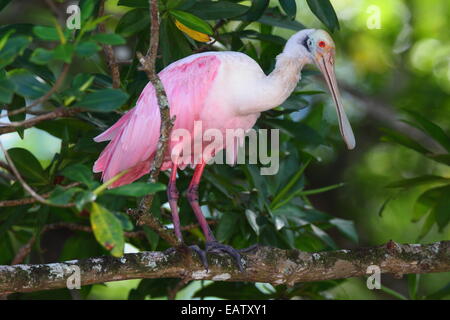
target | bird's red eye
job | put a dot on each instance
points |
(322, 44)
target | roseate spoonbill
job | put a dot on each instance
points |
(224, 90)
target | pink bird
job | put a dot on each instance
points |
(223, 90)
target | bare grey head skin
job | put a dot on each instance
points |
(316, 47)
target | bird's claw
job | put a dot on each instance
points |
(217, 247)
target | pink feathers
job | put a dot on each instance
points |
(134, 137)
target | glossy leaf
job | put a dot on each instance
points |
(136, 189)
(6, 90)
(257, 9)
(79, 173)
(107, 229)
(325, 12)
(192, 22)
(132, 22)
(27, 84)
(46, 33)
(394, 136)
(109, 38)
(14, 46)
(290, 7)
(430, 128)
(42, 56)
(103, 100)
(28, 166)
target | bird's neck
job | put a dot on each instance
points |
(284, 78)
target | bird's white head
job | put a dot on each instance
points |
(317, 47)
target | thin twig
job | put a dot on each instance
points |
(142, 214)
(57, 113)
(46, 96)
(25, 201)
(109, 51)
(33, 193)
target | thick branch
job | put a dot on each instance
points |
(264, 264)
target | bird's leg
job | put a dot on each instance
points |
(212, 245)
(173, 195)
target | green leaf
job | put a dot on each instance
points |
(13, 47)
(413, 285)
(133, 3)
(103, 100)
(152, 237)
(42, 56)
(428, 224)
(6, 90)
(417, 181)
(393, 293)
(64, 52)
(17, 103)
(136, 189)
(426, 201)
(251, 218)
(174, 45)
(87, 49)
(441, 158)
(430, 128)
(227, 226)
(107, 229)
(125, 220)
(440, 294)
(347, 228)
(290, 7)
(322, 235)
(82, 198)
(87, 9)
(110, 38)
(191, 21)
(213, 10)
(394, 136)
(80, 173)
(325, 12)
(132, 22)
(442, 210)
(28, 166)
(273, 17)
(46, 33)
(257, 9)
(27, 84)
(60, 195)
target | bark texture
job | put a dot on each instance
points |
(263, 264)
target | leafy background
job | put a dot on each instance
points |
(395, 83)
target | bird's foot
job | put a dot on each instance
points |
(201, 253)
(217, 247)
(253, 247)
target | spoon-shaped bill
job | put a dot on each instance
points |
(325, 65)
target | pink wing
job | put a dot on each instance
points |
(134, 137)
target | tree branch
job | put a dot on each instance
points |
(57, 113)
(45, 97)
(264, 264)
(142, 214)
(109, 51)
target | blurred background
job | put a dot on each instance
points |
(393, 56)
